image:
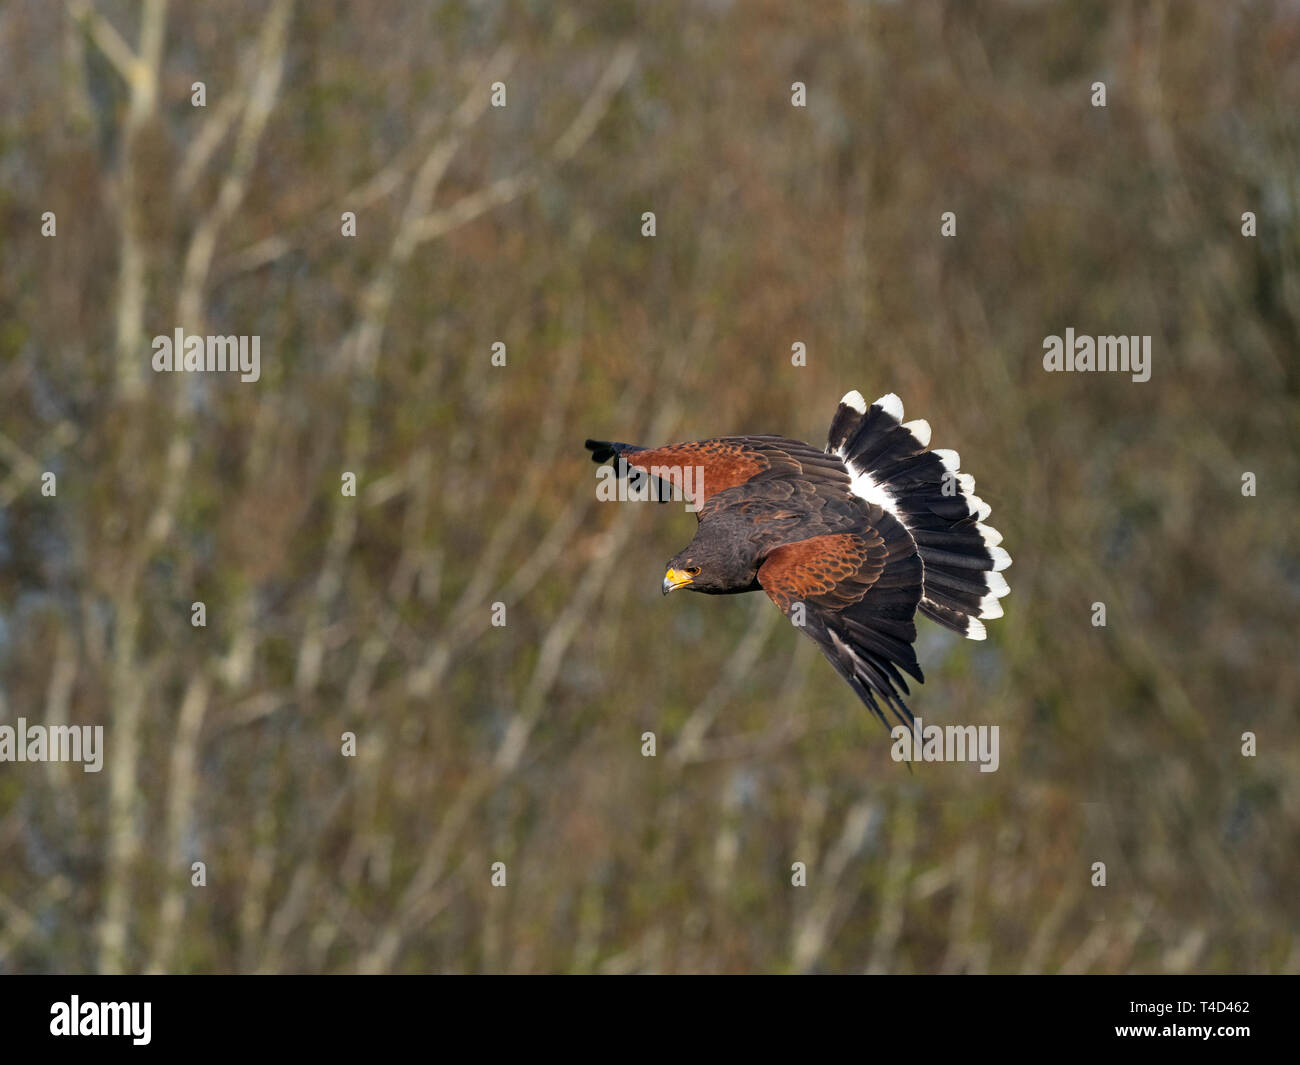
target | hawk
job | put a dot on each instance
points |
(850, 542)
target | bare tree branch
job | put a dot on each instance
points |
(108, 40)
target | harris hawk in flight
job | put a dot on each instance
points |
(850, 542)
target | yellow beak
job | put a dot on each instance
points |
(674, 579)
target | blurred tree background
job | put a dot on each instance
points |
(521, 744)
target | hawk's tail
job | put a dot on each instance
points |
(890, 464)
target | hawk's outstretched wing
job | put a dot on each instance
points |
(702, 469)
(859, 593)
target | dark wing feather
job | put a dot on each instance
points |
(860, 591)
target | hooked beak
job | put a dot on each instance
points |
(674, 579)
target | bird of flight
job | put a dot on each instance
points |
(849, 542)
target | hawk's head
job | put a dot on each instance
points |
(715, 564)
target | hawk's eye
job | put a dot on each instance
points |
(693, 572)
